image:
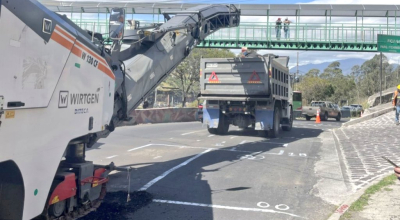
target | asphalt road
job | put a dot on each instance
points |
(190, 174)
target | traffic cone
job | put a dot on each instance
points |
(318, 119)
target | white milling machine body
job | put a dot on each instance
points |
(60, 92)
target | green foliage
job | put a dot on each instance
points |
(360, 203)
(193, 104)
(362, 82)
(186, 76)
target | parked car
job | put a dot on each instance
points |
(336, 107)
(357, 107)
(346, 108)
(326, 110)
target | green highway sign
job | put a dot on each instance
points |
(388, 43)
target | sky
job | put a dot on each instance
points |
(305, 57)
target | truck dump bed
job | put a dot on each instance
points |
(234, 76)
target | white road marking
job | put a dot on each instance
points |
(198, 140)
(157, 157)
(112, 156)
(137, 148)
(234, 137)
(280, 153)
(285, 207)
(171, 138)
(226, 207)
(191, 132)
(219, 145)
(223, 142)
(263, 205)
(251, 157)
(145, 187)
(285, 145)
(243, 142)
(211, 135)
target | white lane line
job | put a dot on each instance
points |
(157, 157)
(234, 137)
(280, 153)
(191, 132)
(112, 156)
(225, 207)
(285, 145)
(198, 140)
(137, 148)
(211, 135)
(223, 142)
(145, 187)
(243, 142)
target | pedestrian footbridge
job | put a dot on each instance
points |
(342, 27)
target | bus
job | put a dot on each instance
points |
(297, 102)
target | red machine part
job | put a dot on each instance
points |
(64, 190)
(96, 179)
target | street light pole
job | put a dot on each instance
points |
(380, 94)
(297, 72)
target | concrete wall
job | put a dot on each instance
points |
(386, 97)
(162, 115)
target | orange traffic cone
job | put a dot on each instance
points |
(318, 119)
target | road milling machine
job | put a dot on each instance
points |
(63, 88)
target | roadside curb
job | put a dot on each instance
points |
(344, 207)
(367, 117)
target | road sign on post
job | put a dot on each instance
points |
(388, 43)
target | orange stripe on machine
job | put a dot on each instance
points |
(66, 34)
(101, 59)
(106, 70)
(81, 51)
(61, 40)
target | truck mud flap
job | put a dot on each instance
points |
(211, 117)
(264, 119)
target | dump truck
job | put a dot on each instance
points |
(248, 92)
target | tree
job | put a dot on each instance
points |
(186, 76)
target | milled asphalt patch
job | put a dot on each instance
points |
(115, 205)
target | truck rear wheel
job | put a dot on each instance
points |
(290, 122)
(274, 132)
(212, 130)
(308, 118)
(223, 124)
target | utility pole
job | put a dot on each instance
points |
(155, 97)
(398, 69)
(297, 72)
(380, 94)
